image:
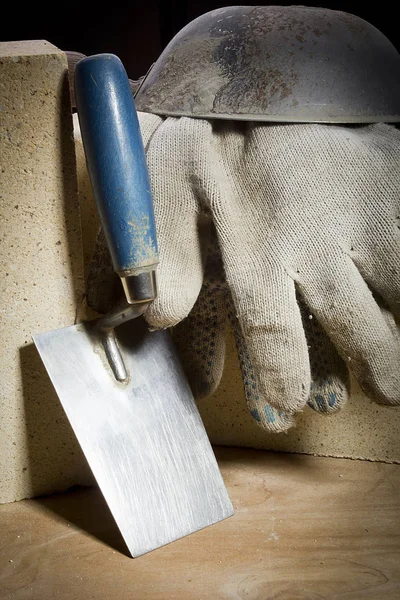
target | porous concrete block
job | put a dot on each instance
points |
(41, 268)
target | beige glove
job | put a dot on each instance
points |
(306, 208)
(201, 336)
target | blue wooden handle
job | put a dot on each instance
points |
(116, 162)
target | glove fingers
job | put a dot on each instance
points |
(181, 230)
(346, 308)
(271, 323)
(265, 415)
(201, 342)
(180, 270)
(330, 384)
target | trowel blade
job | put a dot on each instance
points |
(144, 440)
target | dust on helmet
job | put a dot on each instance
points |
(275, 63)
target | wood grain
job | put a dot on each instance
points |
(305, 528)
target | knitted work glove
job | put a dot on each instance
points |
(300, 210)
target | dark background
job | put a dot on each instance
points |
(138, 31)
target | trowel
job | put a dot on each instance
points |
(122, 386)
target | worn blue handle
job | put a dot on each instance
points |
(116, 162)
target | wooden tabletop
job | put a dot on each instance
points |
(305, 528)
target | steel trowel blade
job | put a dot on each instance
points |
(144, 440)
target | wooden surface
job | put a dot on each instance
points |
(305, 528)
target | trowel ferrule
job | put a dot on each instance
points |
(140, 288)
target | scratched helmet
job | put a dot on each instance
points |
(276, 63)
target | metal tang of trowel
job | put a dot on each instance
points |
(122, 386)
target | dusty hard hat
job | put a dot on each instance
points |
(276, 63)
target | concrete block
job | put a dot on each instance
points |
(41, 266)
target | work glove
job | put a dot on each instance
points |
(304, 211)
(200, 336)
